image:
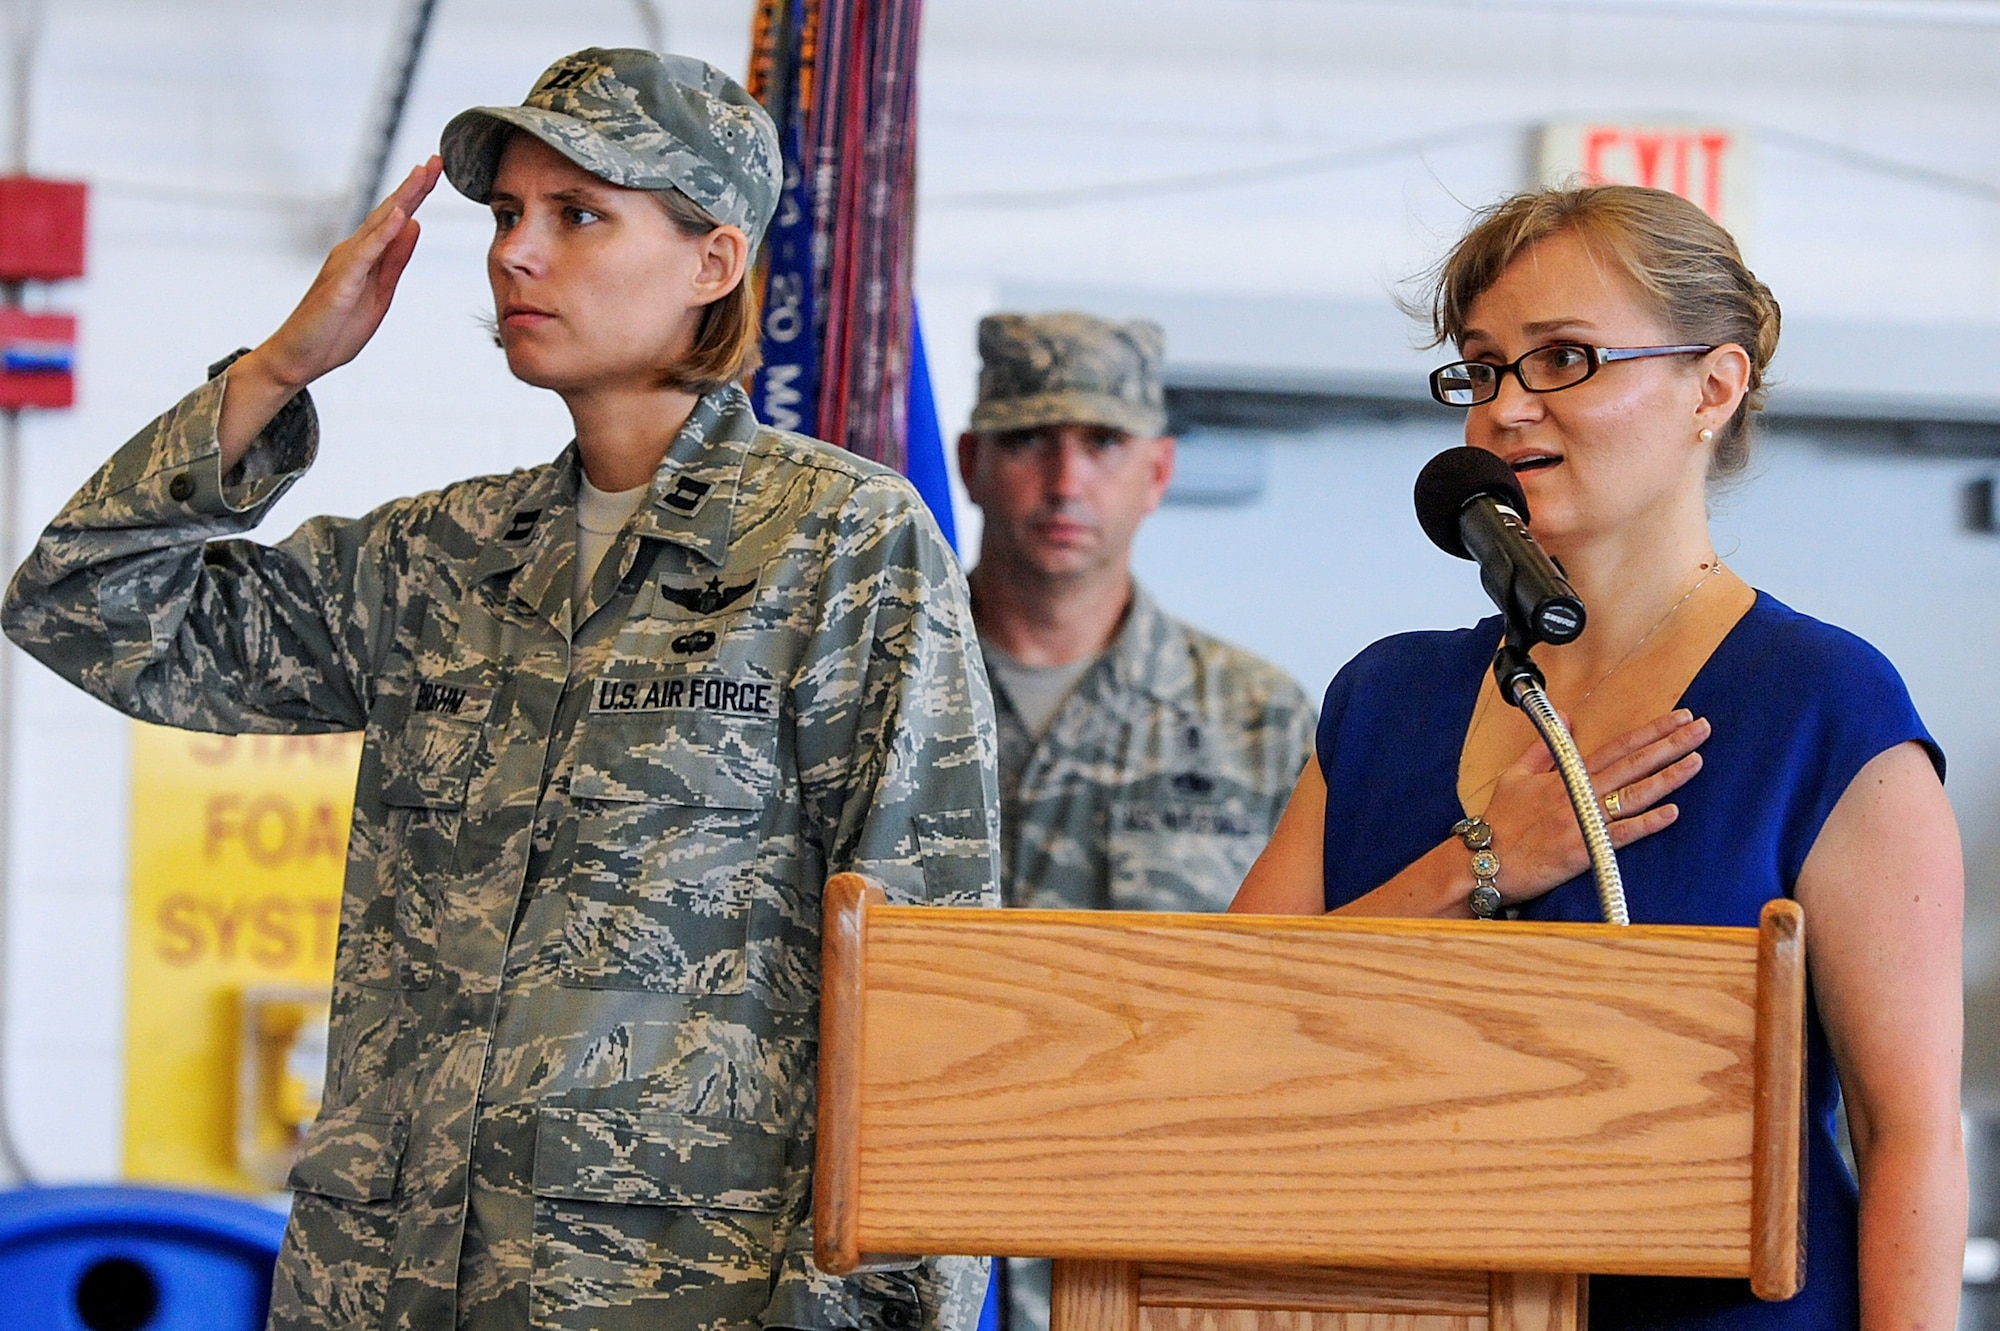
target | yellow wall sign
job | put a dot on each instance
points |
(238, 846)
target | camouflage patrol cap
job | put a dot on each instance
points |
(1069, 368)
(640, 120)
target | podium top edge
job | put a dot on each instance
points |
(966, 917)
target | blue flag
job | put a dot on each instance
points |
(990, 1316)
(925, 456)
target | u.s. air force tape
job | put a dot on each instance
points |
(687, 693)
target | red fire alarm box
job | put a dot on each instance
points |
(41, 229)
(37, 359)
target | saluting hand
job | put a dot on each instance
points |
(1531, 814)
(341, 310)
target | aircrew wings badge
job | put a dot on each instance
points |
(706, 600)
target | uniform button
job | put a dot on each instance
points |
(181, 487)
(897, 1317)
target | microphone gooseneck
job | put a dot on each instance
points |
(1470, 504)
(1521, 684)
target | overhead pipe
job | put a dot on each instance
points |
(393, 99)
(652, 23)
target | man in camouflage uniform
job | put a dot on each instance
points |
(574, 1041)
(1143, 763)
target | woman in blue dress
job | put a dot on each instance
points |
(1614, 349)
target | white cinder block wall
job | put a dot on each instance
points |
(215, 131)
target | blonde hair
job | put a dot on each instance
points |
(1674, 252)
(728, 343)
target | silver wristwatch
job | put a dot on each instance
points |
(1484, 899)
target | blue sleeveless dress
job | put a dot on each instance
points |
(1798, 708)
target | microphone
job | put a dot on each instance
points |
(1471, 506)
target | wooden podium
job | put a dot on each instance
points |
(1310, 1124)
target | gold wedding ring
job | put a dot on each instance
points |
(1611, 805)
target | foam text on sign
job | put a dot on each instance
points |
(239, 846)
(1706, 164)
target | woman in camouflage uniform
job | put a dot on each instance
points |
(624, 713)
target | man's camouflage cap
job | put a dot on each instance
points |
(1069, 368)
(640, 120)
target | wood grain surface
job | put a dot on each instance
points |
(837, 1148)
(1536, 1301)
(1094, 1296)
(1262, 1089)
(1777, 1213)
(1241, 1319)
(1314, 1289)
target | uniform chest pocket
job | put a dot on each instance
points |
(1179, 853)
(427, 764)
(669, 811)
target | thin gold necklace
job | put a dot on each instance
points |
(1707, 571)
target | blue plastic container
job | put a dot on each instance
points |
(134, 1259)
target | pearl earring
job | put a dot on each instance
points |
(1707, 436)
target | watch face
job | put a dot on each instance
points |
(1485, 864)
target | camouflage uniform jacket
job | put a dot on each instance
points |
(1158, 781)
(577, 977)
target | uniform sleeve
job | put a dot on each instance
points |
(897, 763)
(896, 734)
(136, 595)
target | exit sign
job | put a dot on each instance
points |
(1706, 164)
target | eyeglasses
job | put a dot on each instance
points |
(1549, 369)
